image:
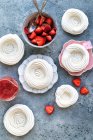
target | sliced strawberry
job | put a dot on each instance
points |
(52, 32)
(43, 27)
(49, 21)
(40, 40)
(26, 31)
(49, 109)
(32, 35)
(39, 30)
(37, 21)
(76, 82)
(33, 41)
(49, 38)
(46, 28)
(55, 28)
(44, 34)
(42, 20)
(84, 91)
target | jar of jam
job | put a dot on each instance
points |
(8, 88)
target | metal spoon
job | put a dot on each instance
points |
(43, 5)
(32, 26)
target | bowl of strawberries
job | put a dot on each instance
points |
(39, 31)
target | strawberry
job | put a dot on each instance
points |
(39, 30)
(52, 32)
(26, 31)
(84, 91)
(44, 34)
(42, 19)
(49, 21)
(49, 38)
(40, 40)
(33, 41)
(46, 28)
(43, 27)
(37, 21)
(49, 109)
(32, 35)
(76, 82)
(55, 28)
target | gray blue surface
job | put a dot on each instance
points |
(74, 123)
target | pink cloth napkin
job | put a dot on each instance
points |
(88, 46)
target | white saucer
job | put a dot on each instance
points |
(21, 71)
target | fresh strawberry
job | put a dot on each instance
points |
(49, 21)
(55, 28)
(84, 91)
(49, 109)
(49, 38)
(40, 40)
(26, 31)
(76, 82)
(39, 30)
(37, 21)
(43, 27)
(33, 41)
(32, 35)
(44, 34)
(46, 28)
(42, 20)
(52, 32)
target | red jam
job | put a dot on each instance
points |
(8, 88)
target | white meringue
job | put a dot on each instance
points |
(38, 74)
(11, 49)
(66, 96)
(75, 58)
(19, 120)
(50, 75)
(74, 21)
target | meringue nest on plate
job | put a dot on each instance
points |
(76, 57)
(38, 73)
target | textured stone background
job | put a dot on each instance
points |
(74, 123)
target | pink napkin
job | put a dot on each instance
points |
(88, 46)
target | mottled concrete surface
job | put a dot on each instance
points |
(74, 123)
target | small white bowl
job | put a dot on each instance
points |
(31, 17)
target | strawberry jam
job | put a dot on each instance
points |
(8, 88)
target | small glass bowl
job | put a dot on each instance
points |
(10, 83)
(30, 18)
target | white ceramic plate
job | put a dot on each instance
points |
(22, 67)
